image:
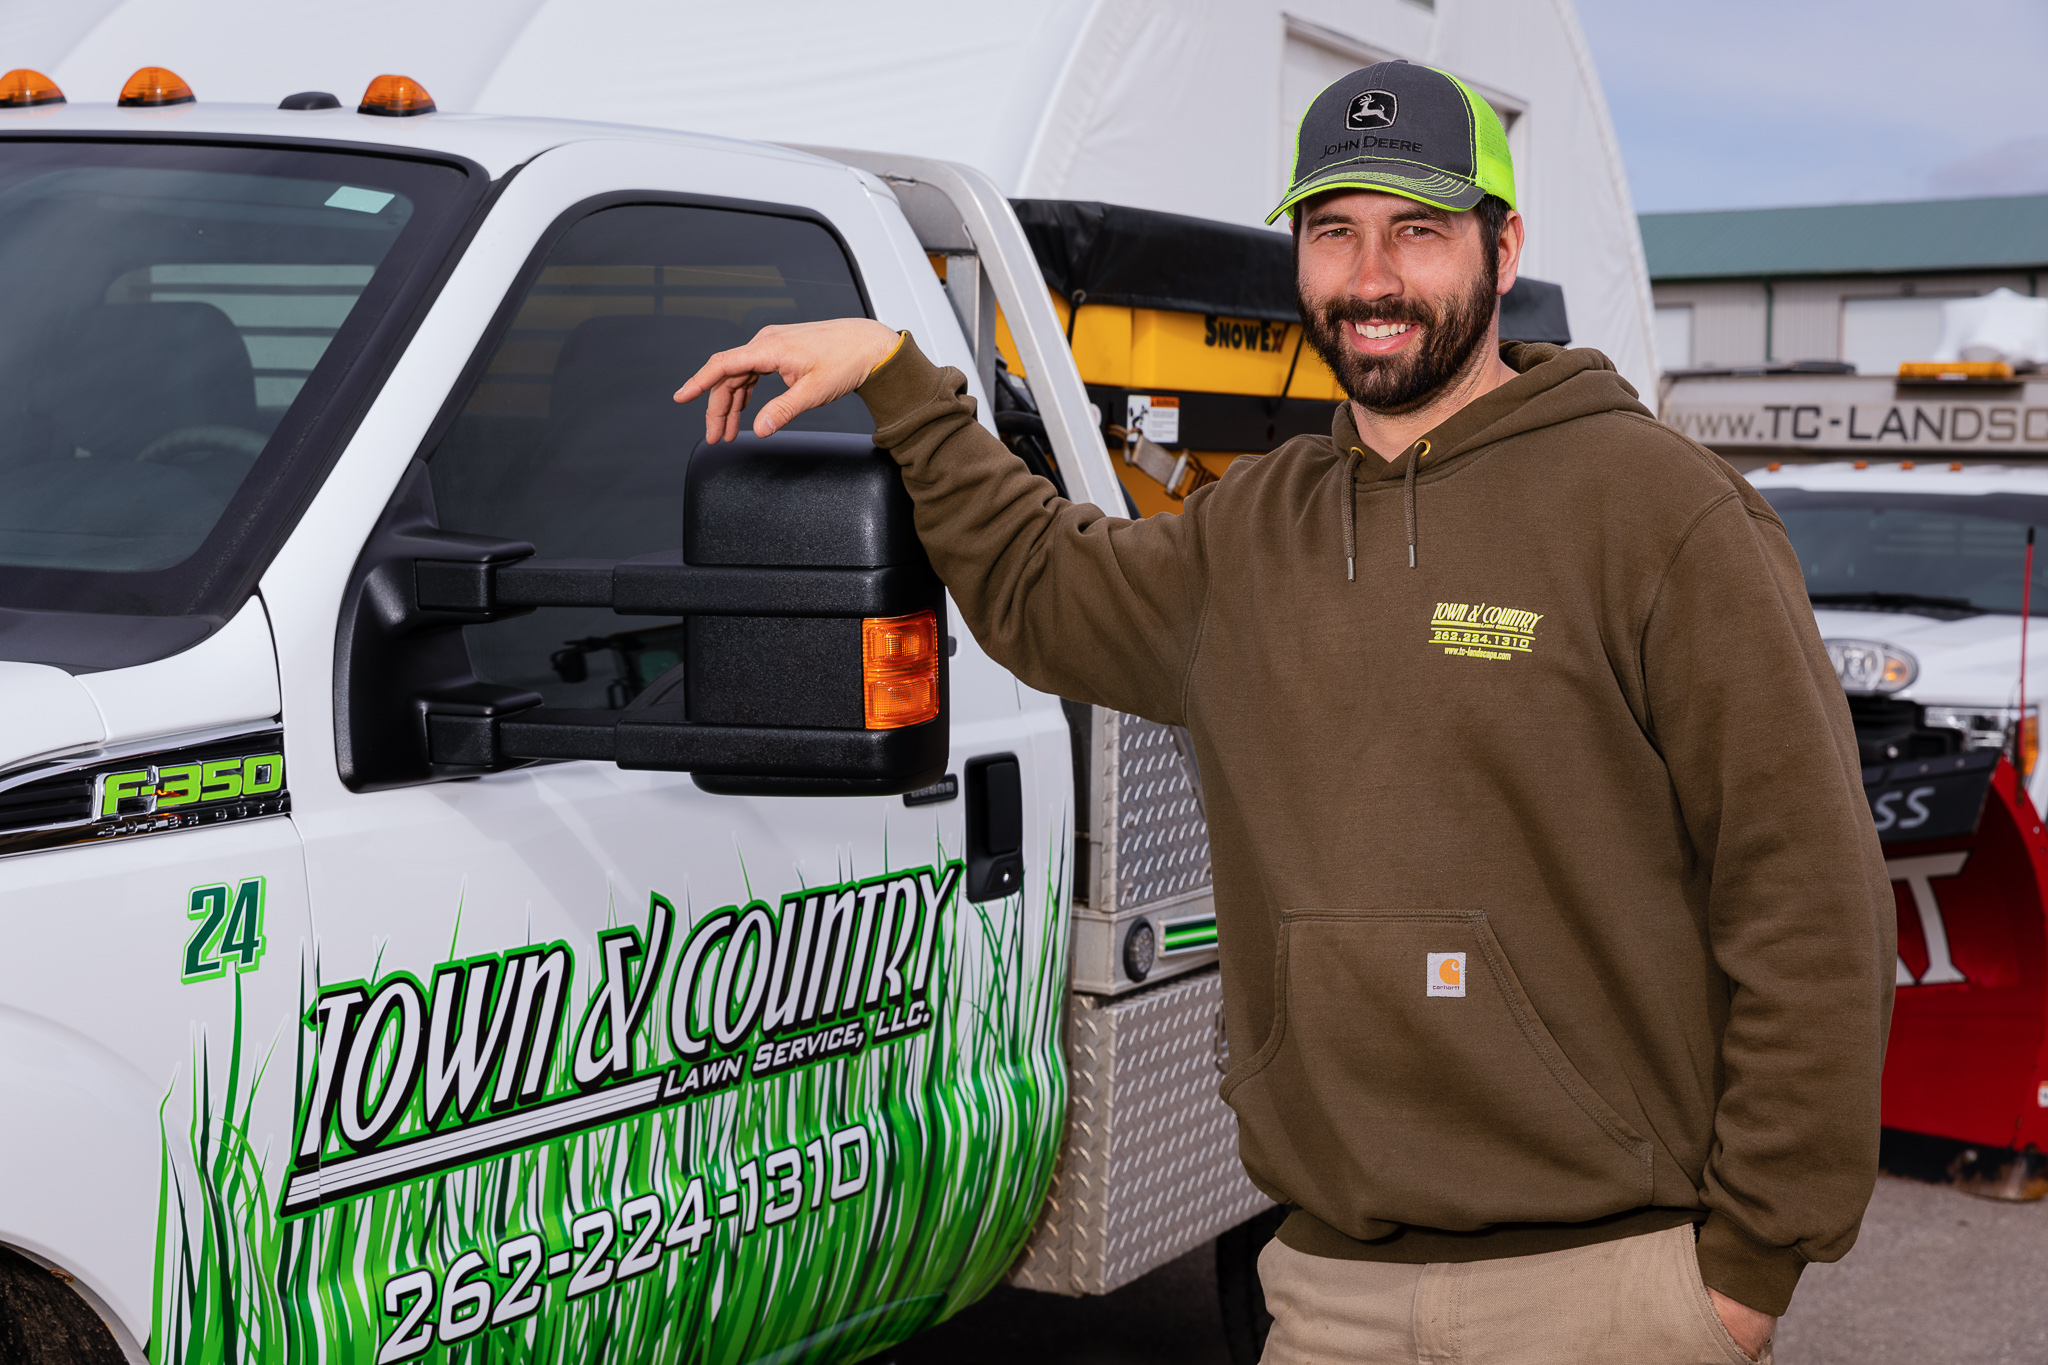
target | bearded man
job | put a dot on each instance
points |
(1557, 945)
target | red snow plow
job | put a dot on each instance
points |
(1966, 1071)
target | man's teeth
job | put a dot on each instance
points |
(1375, 331)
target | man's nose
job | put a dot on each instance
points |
(1373, 275)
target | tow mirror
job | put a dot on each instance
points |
(814, 660)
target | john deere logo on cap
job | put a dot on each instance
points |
(1373, 109)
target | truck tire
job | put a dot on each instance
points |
(1243, 1299)
(43, 1322)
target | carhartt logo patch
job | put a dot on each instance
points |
(1446, 974)
(1480, 630)
(1372, 109)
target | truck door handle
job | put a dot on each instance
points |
(995, 827)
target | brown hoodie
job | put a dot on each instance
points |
(1550, 906)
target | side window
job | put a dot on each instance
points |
(569, 438)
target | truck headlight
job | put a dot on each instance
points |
(1871, 667)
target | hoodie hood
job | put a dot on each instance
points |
(1552, 385)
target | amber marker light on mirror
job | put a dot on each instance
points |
(396, 97)
(153, 87)
(24, 89)
(899, 669)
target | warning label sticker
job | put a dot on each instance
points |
(1155, 417)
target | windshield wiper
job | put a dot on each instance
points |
(1919, 604)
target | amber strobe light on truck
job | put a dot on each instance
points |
(899, 666)
(153, 87)
(23, 89)
(396, 97)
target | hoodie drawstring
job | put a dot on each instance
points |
(1349, 505)
(1415, 454)
(1350, 513)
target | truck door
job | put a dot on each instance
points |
(598, 1062)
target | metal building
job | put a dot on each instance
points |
(1862, 283)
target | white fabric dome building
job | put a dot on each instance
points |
(1187, 106)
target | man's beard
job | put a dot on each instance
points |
(1412, 377)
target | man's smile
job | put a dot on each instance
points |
(1380, 338)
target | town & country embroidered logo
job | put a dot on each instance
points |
(1483, 631)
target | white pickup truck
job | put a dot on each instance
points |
(1915, 570)
(483, 878)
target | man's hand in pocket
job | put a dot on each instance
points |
(1751, 1329)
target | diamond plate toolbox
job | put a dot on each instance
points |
(1143, 909)
(1149, 1168)
(1149, 826)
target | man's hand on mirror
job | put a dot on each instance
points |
(819, 361)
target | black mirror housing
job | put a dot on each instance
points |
(798, 499)
(797, 549)
(804, 500)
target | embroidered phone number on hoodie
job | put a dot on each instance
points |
(1478, 631)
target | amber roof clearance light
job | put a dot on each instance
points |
(899, 665)
(153, 88)
(396, 97)
(24, 89)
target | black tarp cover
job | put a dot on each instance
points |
(1138, 258)
(1533, 310)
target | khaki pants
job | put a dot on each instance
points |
(1636, 1301)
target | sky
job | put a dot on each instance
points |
(1758, 103)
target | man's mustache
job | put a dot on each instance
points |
(1346, 308)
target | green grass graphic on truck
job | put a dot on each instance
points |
(772, 1131)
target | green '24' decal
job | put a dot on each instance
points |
(230, 927)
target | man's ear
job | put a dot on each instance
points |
(1509, 249)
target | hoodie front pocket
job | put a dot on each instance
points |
(1407, 1079)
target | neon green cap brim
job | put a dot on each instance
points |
(1453, 193)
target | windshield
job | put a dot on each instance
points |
(1899, 551)
(177, 319)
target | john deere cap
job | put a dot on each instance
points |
(1405, 129)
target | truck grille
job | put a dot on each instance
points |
(1889, 731)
